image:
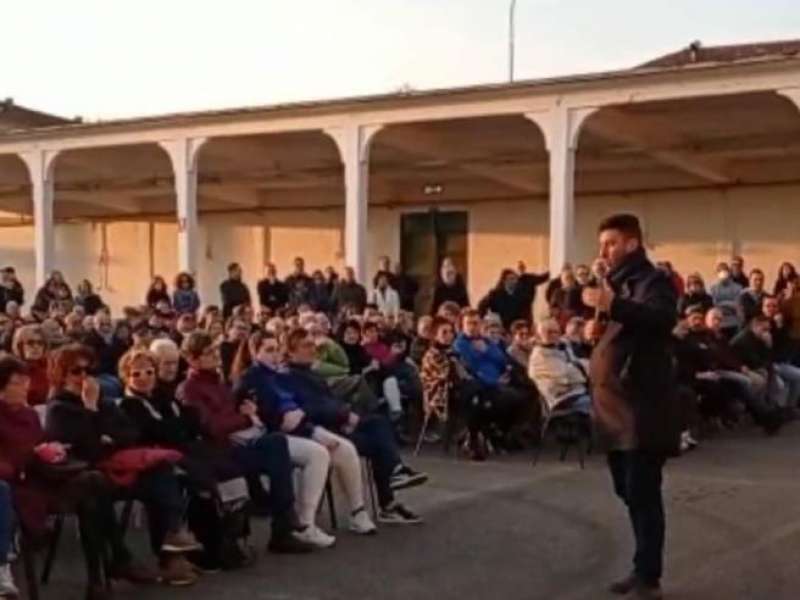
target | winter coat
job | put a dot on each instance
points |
(632, 370)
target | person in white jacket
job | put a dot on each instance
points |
(385, 297)
(561, 380)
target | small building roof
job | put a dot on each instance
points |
(695, 53)
(13, 116)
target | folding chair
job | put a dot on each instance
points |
(549, 416)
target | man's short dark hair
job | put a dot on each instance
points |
(760, 320)
(756, 272)
(233, 266)
(9, 366)
(625, 223)
(695, 309)
(196, 343)
(294, 338)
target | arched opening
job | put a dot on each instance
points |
(474, 189)
(709, 177)
(114, 208)
(16, 220)
(269, 198)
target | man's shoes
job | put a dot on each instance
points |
(288, 544)
(633, 583)
(397, 514)
(177, 571)
(405, 477)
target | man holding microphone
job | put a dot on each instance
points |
(636, 410)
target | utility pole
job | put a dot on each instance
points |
(511, 10)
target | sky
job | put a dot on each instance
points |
(104, 59)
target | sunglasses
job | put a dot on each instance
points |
(79, 370)
(144, 373)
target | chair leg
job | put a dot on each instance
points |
(29, 565)
(331, 504)
(564, 451)
(373, 498)
(581, 454)
(542, 434)
(423, 430)
(52, 549)
(125, 517)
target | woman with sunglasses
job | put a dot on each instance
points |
(44, 482)
(94, 431)
(29, 346)
(164, 423)
(263, 381)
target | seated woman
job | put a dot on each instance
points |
(29, 345)
(161, 422)
(264, 382)
(372, 435)
(237, 427)
(94, 431)
(43, 482)
(561, 380)
(449, 391)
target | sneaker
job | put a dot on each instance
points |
(133, 572)
(405, 477)
(178, 571)
(288, 544)
(7, 587)
(180, 541)
(361, 523)
(397, 514)
(314, 536)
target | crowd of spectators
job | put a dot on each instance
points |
(188, 406)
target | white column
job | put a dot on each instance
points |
(183, 156)
(560, 127)
(40, 165)
(353, 142)
(792, 94)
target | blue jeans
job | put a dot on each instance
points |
(637, 481)
(269, 455)
(374, 439)
(791, 377)
(6, 521)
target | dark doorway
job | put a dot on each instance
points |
(426, 239)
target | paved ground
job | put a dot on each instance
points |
(506, 530)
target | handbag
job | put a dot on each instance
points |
(124, 467)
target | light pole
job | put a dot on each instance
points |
(511, 10)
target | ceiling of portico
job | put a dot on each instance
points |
(678, 144)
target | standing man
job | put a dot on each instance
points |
(233, 291)
(637, 416)
(272, 292)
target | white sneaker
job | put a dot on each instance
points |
(361, 523)
(314, 536)
(7, 587)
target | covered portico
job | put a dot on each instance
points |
(706, 154)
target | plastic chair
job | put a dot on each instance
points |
(549, 416)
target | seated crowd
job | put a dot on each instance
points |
(209, 414)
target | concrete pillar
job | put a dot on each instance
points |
(41, 166)
(792, 94)
(183, 156)
(353, 142)
(560, 127)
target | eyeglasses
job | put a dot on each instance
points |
(143, 373)
(32, 343)
(79, 370)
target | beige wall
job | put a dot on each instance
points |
(694, 231)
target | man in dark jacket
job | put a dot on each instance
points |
(272, 292)
(510, 299)
(10, 288)
(233, 291)
(634, 391)
(348, 292)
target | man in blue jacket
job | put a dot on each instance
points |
(492, 367)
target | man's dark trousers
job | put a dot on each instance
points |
(637, 481)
